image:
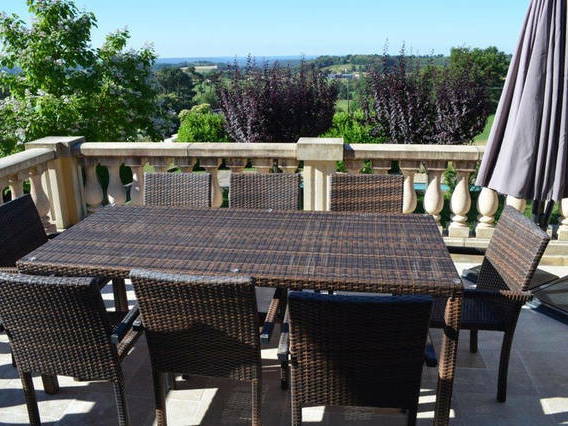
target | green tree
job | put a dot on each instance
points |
(59, 84)
(489, 66)
(176, 87)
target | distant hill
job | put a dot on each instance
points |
(230, 60)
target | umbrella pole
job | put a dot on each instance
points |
(537, 208)
(546, 214)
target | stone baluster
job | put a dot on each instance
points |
(40, 197)
(563, 228)
(16, 186)
(160, 164)
(288, 165)
(185, 164)
(434, 197)
(237, 165)
(93, 192)
(354, 166)
(212, 164)
(410, 200)
(137, 186)
(487, 205)
(381, 167)
(263, 165)
(517, 203)
(460, 203)
(115, 192)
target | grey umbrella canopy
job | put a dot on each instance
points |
(527, 152)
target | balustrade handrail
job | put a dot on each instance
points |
(23, 161)
(64, 180)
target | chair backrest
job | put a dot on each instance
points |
(202, 325)
(21, 230)
(358, 350)
(277, 191)
(177, 189)
(58, 325)
(513, 254)
(366, 193)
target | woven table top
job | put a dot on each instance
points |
(337, 250)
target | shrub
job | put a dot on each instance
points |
(201, 124)
(462, 107)
(353, 128)
(431, 105)
(273, 104)
(402, 102)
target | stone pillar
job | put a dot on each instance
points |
(410, 200)
(40, 197)
(434, 197)
(115, 192)
(320, 156)
(461, 200)
(487, 205)
(381, 167)
(563, 228)
(93, 192)
(137, 187)
(288, 165)
(212, 166)
(65, 179)
(516, 203)
(3, 184)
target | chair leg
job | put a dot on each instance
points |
(159, 397)
(121, 404)
(29, 395)
(50, 384)
(172, 381)
(473, 341)
(411, 416)
(296, 412)
(119, 292)
(256, 402)
(284, 375)
(504, 366)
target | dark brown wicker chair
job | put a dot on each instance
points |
(510, 261)
(357, 351)
(197, 325)
(177, 189)
(366, 193)
(21, 231)
(60, 326)
(277, 191)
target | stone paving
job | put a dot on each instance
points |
(538, 388)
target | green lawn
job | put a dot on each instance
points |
(482, 138)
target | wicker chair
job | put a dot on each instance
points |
(277, 191)
(511, 259)
(198, 325)
(366, 193)
(60, 326)
(177, 189)
(357, 351)
(21, 231)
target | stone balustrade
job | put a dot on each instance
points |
(62, 173)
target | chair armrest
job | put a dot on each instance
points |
(498, 295)
(125, 325)
(271, 315)
(283, 345)
(475, 251)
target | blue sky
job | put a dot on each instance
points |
(189, 28)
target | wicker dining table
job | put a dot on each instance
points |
(364, 252)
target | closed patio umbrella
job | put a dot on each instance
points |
(527, 152)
